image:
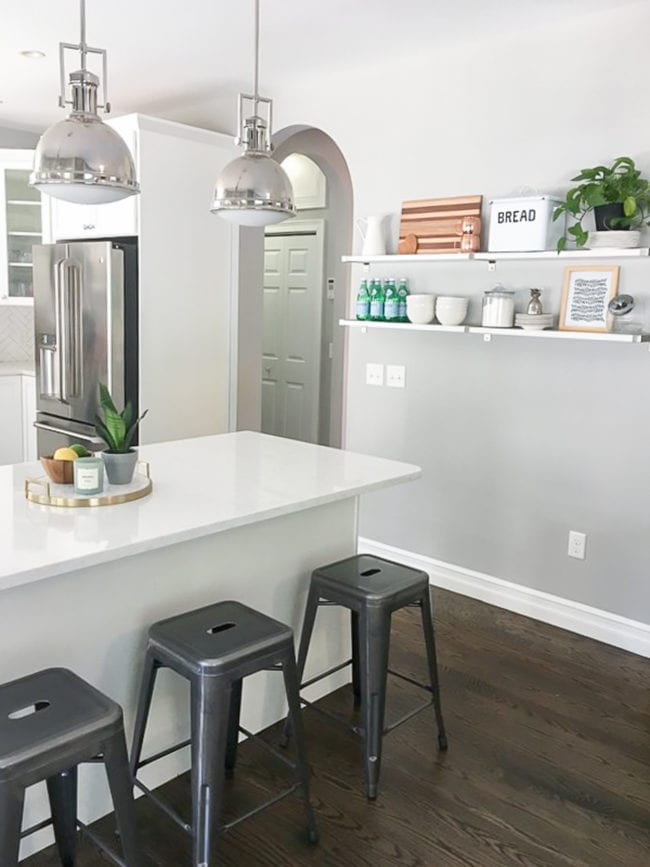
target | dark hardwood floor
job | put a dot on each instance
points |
(548, 763)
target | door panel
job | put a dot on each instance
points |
(291, 335)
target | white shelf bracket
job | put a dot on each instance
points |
(366, 267)
(487, 338)
(492, 265)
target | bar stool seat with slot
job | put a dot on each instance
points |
(50, 722)
(214, 648)
(372, 588)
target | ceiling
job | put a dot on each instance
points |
(186, 59)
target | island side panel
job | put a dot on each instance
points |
(95, 622)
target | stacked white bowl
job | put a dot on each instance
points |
(451, 310)
(420, 309)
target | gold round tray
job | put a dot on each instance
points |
(47, 493)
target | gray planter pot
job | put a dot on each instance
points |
(120, 468)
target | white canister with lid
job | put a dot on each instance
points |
(498, 308)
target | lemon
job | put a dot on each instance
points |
(65, 454)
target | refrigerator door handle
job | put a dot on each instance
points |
(96, 441)
(67, 301)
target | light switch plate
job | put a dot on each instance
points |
(395, 375)
(374, 374)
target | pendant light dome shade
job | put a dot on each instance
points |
(81, 159)
(253, 190)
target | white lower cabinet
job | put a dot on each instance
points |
(17, 415)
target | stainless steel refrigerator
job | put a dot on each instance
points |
(86, 331)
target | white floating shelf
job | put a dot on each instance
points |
(401, 326)
(499, 332)
(561, 335)
(600, 253)
(393, 258)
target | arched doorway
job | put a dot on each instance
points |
(305, 293)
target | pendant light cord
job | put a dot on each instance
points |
(82, 42)
(256, 91)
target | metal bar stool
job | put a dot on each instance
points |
(215, 648)
(50, 722)
(372, 588)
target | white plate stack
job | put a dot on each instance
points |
(533, 321)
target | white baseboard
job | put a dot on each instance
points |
(631, 635)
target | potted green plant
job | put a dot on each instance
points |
(618, 195)
(117, 429)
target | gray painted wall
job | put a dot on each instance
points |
(507, 472)
(520, 441)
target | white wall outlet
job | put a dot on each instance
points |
(374, 374)
(577, 544)
(395, 375)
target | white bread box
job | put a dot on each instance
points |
(524, 224)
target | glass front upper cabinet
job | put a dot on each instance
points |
(21, 224)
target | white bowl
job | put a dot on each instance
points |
(452, 311)
(420, 309)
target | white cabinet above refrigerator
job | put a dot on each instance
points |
(115, 220)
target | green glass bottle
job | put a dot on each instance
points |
(403, 292)
(363, 302)
(377, 300)
(391, 304)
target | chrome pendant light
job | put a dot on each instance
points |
(81, 159)
(254, 189)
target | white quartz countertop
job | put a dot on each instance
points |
(17, 368)
(200, 486)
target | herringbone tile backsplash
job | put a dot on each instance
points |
(16, 333)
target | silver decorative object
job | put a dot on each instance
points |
(535, 303)
(254, 189)
(81, 159)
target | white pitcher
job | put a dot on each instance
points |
(372, 234)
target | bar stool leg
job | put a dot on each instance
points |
(11, 817)
(210, 712)
(311, 610)
(374, 640)
(120, 783)
(148, 682)
(62, 792)
(356, 685)
(292, 687)
(430, 641)
(233, 728)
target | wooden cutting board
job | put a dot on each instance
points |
(437, 223)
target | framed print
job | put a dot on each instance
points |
(586, 292)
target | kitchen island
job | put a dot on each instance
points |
(238, 516)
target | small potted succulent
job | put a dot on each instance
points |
(117, 429)
(618, 195)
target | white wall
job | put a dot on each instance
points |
(17, 138)
(524, 442)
